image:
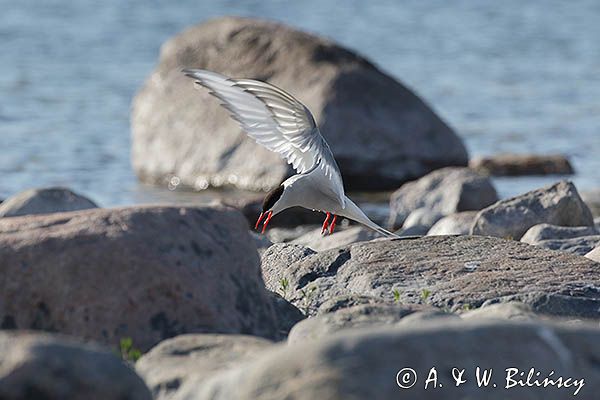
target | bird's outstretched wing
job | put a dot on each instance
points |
(276, 120)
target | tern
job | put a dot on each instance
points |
(278, 121)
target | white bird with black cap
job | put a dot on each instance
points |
(281, 123)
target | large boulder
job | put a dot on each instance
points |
(577, 240)
(594, 255)
(52, 367)
(558, 204)
(44, 201)
(592, 199)
(445, 191)
(181, 135)
(449, 272)
(454, 224)
(193, 358)
(522, 164)
(396, 362)
(148, 273)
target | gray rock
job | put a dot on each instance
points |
(454, 224)
(274, 260)
(194, 357)
(365, 115)
(416, 230)
(43, 366)
(288, 315)
(541, 232)
(445, 191)
(148, 273)
(594, 255)
(317, 242)
(522, 164)
(510, 310)
(366, 364)
(581, 245)
(286, 235)
(592, 199)
(347, 301)
(443, 271)
(422, 217)
(44, 201)
(558, 204)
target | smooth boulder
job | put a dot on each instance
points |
(148, 273)
(449, 272)
(522, 164)
(558, 204)
(594, 255)
(444, 191)
(53, 367)
(44, 201)
(454, 224)
(181, 135)
(577, 240)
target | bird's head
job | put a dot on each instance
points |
(270, 206)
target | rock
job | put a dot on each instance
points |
(541, 232)
(317, 242)
(417, 230)
(288, 315)
(444, 192)
(292, 217)
(275, 260)
(558, 204)
(43, 366)
(368, 364)
(361, 316)
(44, 201)
(454, 224)
(448, 272)
(347, 301)
(286, 235)
(510, 310)
(581, 245)
(592, 199)
(148, 273)
(522, 164)
(365, 115)
(422, 217)
(260, 241)
(594, 255)
(194, 357)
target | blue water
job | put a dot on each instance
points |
(508, 76)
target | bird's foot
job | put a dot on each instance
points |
(325, 223)
(332, 225)
(267, 220)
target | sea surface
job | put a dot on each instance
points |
(510, 76)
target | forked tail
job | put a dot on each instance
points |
(353, 212)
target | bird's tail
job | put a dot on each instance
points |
(353, 212)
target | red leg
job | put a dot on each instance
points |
(325, 223)
(260, 217)
(332, 226)
(269, 215)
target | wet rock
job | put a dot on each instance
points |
(317, 242)
(449, 272)
(522, 164)
(184, 359)
(454, 224)
(43, 366)
(445, 191)
(44, 201)
(558, 204)
(358, 364)
(148, 273)
(361, 316)
(365, 115)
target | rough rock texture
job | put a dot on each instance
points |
(558, 204)
(317, 242)
(175, 362)
(52, 367)
(522, 164)
(361, 316)
(445, 191)
(594, 254)
(454, 224)
(577, 240)
(148, 273)
(443, 271)
(363, 364)
(44, 201)
(381, 133)
(580, 245)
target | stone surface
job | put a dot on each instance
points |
(541, 232)
(148, 273)
(174, 362)
(522, 164)
(558, 204)
(422, 217)
(42, 366)
(44, 201)
(592, 199)
(364, 364)
(510, 310)
(454, 224)
(360, 316)
(444, 191)
(594, 255)
(449, 272)
(317, 242)
(288, 314)
(364, 114)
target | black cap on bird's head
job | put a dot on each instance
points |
(267, 208)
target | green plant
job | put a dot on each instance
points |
(128, 352)
(466, 307)
(284, 286)
(425, 293)
(306, 297)
(396, 294)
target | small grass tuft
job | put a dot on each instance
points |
(128, 352)
(396, 294)
(425, 293)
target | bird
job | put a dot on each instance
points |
(278, 121)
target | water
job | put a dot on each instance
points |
(509, 76)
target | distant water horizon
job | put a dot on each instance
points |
(512, 77)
